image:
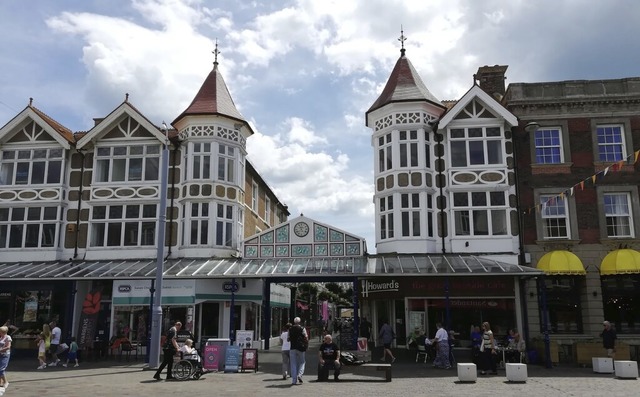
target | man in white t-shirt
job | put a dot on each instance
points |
(56, 334)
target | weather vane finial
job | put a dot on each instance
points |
(402, 39)
(215, 55)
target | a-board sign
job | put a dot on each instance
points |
(212, 357)
(232, 359)
(250, 359)
(244, 338)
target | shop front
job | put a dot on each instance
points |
(28, 306)
(459, 303)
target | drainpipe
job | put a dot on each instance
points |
(77, 232)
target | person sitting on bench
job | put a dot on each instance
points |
(329, 358)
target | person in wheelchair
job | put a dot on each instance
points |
(190, 365)
(188, 352)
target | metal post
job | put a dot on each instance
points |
(149, 320)
(266, 304)
(356, 316)
(156, 322)
(545, 322)
(232, 311)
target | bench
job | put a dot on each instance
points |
(368, 367)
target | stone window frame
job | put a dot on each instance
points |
(564, 137)
(572, 215)
(625, 122)
(634, 204)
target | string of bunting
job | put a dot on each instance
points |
(617, 166)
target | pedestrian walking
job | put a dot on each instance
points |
(42, 355)
(73, 353)
(488, 351)
(169, 350)
(299, 344)
(56, 334)
(442, 348)
(609, 337)
(386, 336)
(286, 347)
(5, 354)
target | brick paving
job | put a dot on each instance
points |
(129, 378)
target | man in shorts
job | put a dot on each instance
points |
(56, 334)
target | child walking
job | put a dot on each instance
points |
(73, 353)
(41, 350)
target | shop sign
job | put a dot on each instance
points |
(230, 286)
(377, 286)
(124, 288)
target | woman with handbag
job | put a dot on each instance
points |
(488, 351)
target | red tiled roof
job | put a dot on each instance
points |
(213, 98)
(60, 129)
(404, 85)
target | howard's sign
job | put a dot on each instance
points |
(373, 286)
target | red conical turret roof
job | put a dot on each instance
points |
(213, 98)
(404, 85)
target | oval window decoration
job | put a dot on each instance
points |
(465, 178)
(492, 177)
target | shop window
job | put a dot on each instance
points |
(563, 305)
(621, 305)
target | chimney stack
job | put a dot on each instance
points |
(491, 79)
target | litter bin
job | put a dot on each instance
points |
(214, 352)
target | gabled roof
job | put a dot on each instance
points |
(103, 126)
(404, 85)
(488, 100)
(213, 99)
(57, 131)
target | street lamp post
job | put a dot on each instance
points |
(156, 319)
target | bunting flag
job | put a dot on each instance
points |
(618, 166)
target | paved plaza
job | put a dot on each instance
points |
(122, 378)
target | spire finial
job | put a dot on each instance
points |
(402, 39)
(30, 101)
(215, 55)
(126, 97)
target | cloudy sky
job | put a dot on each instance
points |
(302, 72)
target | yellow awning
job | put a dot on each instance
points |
(561, 262)
(622, 261)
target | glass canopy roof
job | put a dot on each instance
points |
(409, 265)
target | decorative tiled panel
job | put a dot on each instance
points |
(320, 250)
(351, 238)
(301, 250)
(336, 236)
(267, 238)
(319, 233)
(250, 251)
(337, 249)
(282, 234)
(353, 249)
(282, 250)
(266, 251)
(252, 241)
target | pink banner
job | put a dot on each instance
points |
(212, 357)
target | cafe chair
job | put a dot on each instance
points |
(126, 347)
(422, 353)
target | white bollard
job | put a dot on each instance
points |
(467, 372)
(626, 369)
(602, 365)
(516, 372)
